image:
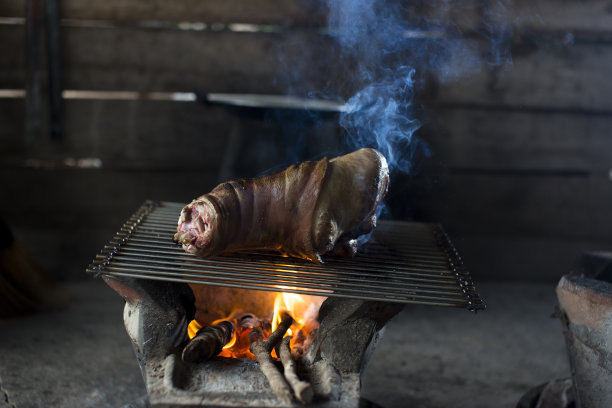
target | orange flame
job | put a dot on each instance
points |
(303, 308)
(193, 328)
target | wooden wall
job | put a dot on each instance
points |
(520, 155)
(524, 154)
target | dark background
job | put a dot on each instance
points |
(519, 170)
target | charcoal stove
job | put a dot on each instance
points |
(402, 263)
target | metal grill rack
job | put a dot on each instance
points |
(402, 262)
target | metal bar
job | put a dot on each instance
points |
(372, 250)
(408, 279)
(406, 262)
(338, 268)
(330, 263)
(449, 280)
(432, 302)
(332, 267)
(165, 235)
(279, 284)
(417, 261)
(423, 241)
(313, 279)
(281, 262)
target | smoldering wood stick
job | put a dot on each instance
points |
(208, 342)
(262, 350)
(301, 389)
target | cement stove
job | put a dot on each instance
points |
(164, 287)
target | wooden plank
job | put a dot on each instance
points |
(12, 63)
(165, 134)
(566, 15)
(456, 16)
(552, 74)
(126, 133)
(462, 14)
(12, 126)
(145, 133)
(286, 12)
(564, 77)
(168, 60)
(564, 208)
(465, 14)
(522, 16)
(172, 136)
(521, 140)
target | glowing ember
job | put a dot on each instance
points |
(250, 328)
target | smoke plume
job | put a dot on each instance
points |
(393, 46)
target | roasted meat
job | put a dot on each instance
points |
(307, 210)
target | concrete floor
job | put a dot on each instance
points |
(436, 357)
(428, 357)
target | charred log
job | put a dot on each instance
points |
(208, 342)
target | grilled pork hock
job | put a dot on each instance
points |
(307, 210)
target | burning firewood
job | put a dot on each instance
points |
(302, 390)
(208, 342)
(262, 350)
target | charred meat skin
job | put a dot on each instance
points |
(307, 210)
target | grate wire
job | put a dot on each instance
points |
(403, 262)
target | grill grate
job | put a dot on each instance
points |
(403, 262)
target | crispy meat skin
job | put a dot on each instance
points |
(306, 210)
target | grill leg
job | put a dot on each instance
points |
(349, 324)
(156, 316)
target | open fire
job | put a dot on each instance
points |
(323, 341)
(247, 327)
(283, 332)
